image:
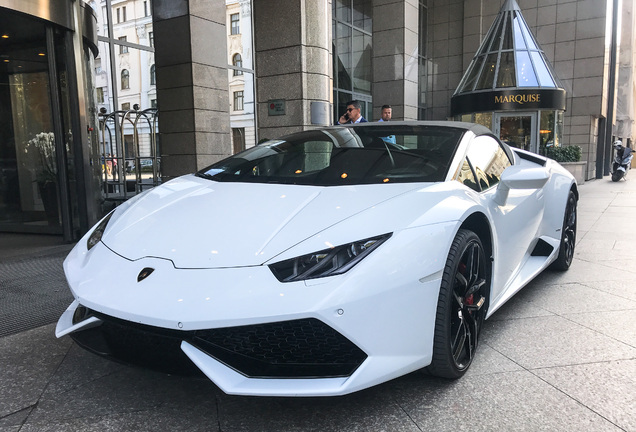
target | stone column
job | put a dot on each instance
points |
(192, 84)
(293, 65)
(395, 57)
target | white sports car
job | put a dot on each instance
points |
(324, 262)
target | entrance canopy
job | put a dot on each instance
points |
(509, 72)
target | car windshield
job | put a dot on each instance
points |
(345, 156)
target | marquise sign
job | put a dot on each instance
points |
(508, 100)
(520, 99)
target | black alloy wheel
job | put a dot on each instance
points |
(461, 307)
(568, 236)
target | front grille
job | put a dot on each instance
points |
(305, 348)
(298, 348)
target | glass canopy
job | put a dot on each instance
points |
(508, 58)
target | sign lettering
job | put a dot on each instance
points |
(518, 98)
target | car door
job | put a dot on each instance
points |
(515, 224)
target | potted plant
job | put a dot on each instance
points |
(570, 158)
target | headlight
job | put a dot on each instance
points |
(98, 232)
(328, 262)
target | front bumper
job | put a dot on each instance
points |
(304, 348)
(253, 335)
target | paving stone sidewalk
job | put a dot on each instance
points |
(560, 356)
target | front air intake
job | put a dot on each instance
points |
(305, 348)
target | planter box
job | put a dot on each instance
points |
(577, 169)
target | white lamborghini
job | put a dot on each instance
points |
(324, 262)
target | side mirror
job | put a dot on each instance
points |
(517, 177)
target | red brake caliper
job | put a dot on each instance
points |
(470, 299)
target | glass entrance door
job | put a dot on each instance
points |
(517, 130)
(29, 192)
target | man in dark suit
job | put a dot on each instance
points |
(352, 114)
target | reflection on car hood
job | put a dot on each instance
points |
(198, 223)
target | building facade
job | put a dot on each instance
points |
(413, 54)
(126, 95)
(225, 75)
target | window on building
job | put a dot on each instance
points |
(153, 103)
(123, 14)
(128, 146)
(152, 75)
(238, 139)
(118, 15)
(151, 38)
(352, 47)
(123, 49)
(237, 61)
(125, 79)
(100, 94)
(146, 8)
(234, 24)
(125, 106)
(238, 101)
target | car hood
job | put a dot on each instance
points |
(198, 223)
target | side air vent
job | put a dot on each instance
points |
(530, 157)
(542, 248)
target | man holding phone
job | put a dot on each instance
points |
(353, 113)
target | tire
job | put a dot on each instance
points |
(617, 175)
(568, 236)
(461, 307)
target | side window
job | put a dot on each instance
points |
(489, 160)
(465, 176)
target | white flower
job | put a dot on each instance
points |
(44, 142)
